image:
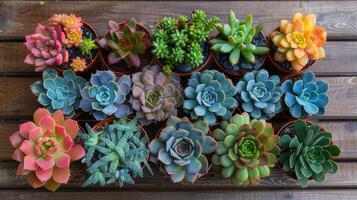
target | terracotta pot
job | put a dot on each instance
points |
(122, 66)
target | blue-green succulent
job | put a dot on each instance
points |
(210, 95)
(260, 94)
(106, 95)
(59, 93)
(181, 149)
(306, 96)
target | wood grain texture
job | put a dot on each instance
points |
(18, 19)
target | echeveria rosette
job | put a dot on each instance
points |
(106, 95)
(45, 148)
(260, 94)
(209, 95)
(59, 93)
(155, 96)
(181, 149)
(246, 149)
(308, 152)
(307, 96)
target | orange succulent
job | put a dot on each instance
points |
(71, 25)
(299, 41)
(78, 64)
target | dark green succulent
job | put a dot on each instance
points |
(308, 152)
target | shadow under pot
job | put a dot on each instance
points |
(92, 61)
(285, 68)
(123, 68)
(243, 66)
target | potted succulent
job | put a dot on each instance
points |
(260, 94)
(208, 96)
(59, 93)
(305, 96)
(246, 149)
(307, 151)
(239, 46)
(155, 96)
(181, 44)
(126, 47)
(106, 95)
(67, 42)
(181, 148)
(45, 148)
(296, 46)
(117, 152)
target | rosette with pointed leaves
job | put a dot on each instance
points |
(308, 152)
(181, 149)
(155, 96)
(57, 93)
(307, 96)
(209, 95)
(246, 149)
(260, 94)
(105, 95)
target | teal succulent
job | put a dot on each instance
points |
(209, 95)
(181, 149)
(260, 94)
(115, 153)
(59, 93)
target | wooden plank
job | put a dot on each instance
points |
(19, 19)
(339, 61)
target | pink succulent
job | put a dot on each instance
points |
(47, 47)
(45, 148)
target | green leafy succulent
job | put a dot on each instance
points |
(87, 46)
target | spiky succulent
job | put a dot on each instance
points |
(117, 152)
(236, 39)
(308, 152)
(306, 96)
(155, 96)
(179, 41)
(106, 95)
(125, 42)
(260, 94)
(246, 149)
(210, 95)
(59, 93)
(181, 149)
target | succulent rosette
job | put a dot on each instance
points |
(209, 95)
(155, 96)
(45, 148)
(246, 149)
(59, 93)
(105, 95)
(181, 149)
(260, 94)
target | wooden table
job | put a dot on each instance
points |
(339, 69)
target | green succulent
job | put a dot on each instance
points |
(87, 46)
(236, 39)
(308, 152)
(246, 149)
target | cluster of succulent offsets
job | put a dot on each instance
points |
(204, 119)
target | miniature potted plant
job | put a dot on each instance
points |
(239, 46)
(181, 149)
(260, 94)
(296, 46)
(126, 47)
(307, 151)
(117, 152)
(209, 95)
(181, 44)
(305, 96)
(67, 42)
(45, 148)
(59, 93)
(155, 96)
(246, 149)
(106, 95)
